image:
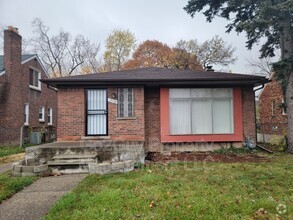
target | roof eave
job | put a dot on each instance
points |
(58, 83)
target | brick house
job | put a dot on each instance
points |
(24, 103)
(166, 109)
(272, 112)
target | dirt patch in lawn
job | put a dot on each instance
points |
(204, 157)
(11, 158)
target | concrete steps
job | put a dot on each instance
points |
(73, 159)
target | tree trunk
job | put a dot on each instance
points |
(286, 43)
(289, 103)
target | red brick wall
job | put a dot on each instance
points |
(248, 113)
(146, 122)
(272, 124)
(11, 93)
(71, 114)
(46, 98)
(127, 129)
(152, 118)
(15, 92)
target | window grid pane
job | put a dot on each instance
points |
(50, 115)
(125, 102)
(34, 78)
(180, 113)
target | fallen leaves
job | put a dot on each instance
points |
(152, 204)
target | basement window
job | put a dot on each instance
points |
(34, 79)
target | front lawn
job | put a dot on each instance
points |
(9, 184)
(9, 150)
(202, 190)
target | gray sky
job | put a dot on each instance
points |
(163, 20)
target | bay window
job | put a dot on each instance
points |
(201, 111)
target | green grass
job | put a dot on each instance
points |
(9, 150)
(184, 191)
(234, 150)
(9, 184)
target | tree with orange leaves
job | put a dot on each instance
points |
(156, 54)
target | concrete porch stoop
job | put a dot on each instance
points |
(100, 157)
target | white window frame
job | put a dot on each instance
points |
(50, 114)
(211, 99)
(39, 87)
(283, 109)
(26, 114)
(43, 114)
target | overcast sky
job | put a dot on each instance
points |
(163, 20)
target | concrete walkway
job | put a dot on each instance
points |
(35, 201)
(6, 166)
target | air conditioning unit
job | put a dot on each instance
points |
(36, 138)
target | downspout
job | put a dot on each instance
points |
(262, 86)
(52, 88)
(21, 137)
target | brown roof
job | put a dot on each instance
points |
(158, 77)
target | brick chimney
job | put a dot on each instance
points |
(12, 53)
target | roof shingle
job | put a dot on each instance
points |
(154, 75)
(23, 58)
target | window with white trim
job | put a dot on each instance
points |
(34, 79)
(50, 116)
(42, 114)
(125, 102)
(201, 111)
(26, 114)
(284, 107)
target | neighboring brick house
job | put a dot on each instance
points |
(272, 112)
(24, 102)
(167, 109)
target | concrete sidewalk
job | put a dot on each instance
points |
(35, 201)
(6, 166)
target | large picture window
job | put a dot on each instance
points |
(201, 111)
(125, 102)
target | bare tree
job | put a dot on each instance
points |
(215, 51)
(63, 54)
(261, 66)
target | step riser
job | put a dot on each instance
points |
(71, 162)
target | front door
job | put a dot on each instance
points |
(96, 112)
